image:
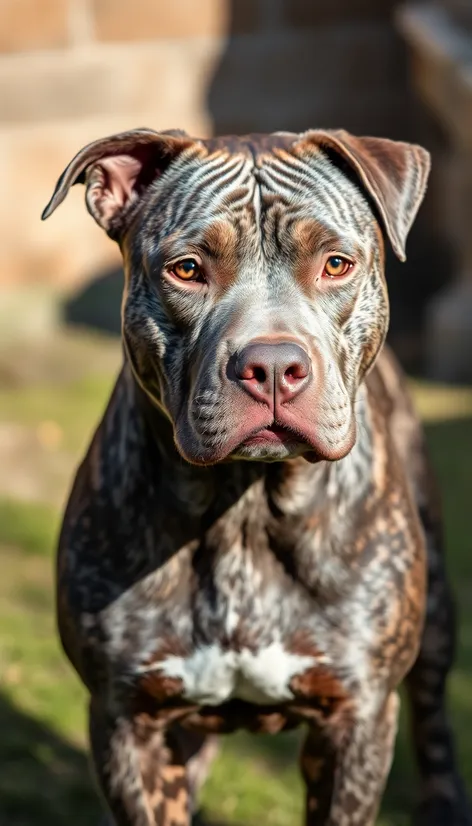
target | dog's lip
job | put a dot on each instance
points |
(271, 434)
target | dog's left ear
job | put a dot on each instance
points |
(116, 171)
(394, 174)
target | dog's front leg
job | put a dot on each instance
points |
(140, 769)
(345, 772)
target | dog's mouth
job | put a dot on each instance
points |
(272, 442)
(277, 441)
(261, 436)
(273, 434)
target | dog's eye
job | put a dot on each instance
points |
(336, 265)
(188, 269)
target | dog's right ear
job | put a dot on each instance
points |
(116, 171)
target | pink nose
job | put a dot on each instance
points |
(273, 373)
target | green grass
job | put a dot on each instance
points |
(44, 779)
(31, 526)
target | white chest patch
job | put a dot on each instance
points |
(212, 676)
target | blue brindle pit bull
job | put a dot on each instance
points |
(251, 536)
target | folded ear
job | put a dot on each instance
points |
(394, 175)
(116, 170)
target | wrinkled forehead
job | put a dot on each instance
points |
(255, 145)
(258, 191)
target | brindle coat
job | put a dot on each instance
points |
(245, 542)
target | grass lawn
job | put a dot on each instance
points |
(46, 416)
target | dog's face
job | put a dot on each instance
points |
(255, 298)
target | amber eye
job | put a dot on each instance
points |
(336, 266)
(188, 269)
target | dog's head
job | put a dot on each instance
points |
(255, 299)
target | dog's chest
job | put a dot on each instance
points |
(212, 675)
(240, 629)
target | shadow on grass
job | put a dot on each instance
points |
(44, 781)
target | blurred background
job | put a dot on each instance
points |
(75, 70)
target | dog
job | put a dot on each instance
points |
(253, 539)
